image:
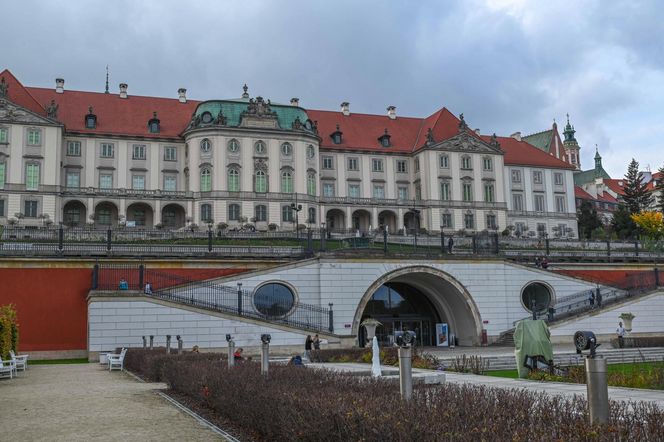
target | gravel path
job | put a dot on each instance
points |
(85, 402)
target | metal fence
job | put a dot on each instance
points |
(209, 295)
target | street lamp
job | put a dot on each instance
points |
(296, 207)
(416, 217)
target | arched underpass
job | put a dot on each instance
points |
(417, 298)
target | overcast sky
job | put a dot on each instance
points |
(508, 65)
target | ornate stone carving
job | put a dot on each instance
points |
(462, 124)
(467, 143)
(297, 124)
(4, 88)
(260, 165)
(494, 141)
(52, 110)
(11, 112)
(259, 107)
(221, 119)
(430, 139)
(259, 114)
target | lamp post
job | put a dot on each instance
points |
(209, 235)
(296, 207)
(323, 236)
(416, 218)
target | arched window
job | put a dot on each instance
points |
(311, 219)
(259, 147)
(233, 180)
(234, 212)
(206, 213)
(206, 145)
(311, 183)
(287, 181)
(206, 179)
(233, 146)
(261, 182)
(260, 213)
(286, 149)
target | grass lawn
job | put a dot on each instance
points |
(58, 361)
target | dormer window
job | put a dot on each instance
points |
(207, 118)
(90, 119)
(385, 139)
(336, 136)
(153, 124)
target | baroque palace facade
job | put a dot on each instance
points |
(103, 159)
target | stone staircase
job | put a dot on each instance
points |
(612, 355)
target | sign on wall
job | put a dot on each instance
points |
(442, 335)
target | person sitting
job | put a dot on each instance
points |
(123, 284)
(545, 263)
(296, 361)
(538, 263)
(195, 349)
(148, 288)
(238, 354)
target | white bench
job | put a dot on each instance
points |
(20, 361)
(116, 362)
(7, 369)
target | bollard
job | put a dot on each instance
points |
(145, 343)
(265, 358)
(598, 390)
(406, 372)
(179, 346)
(231, 354)
(168, 344)
(151, 341)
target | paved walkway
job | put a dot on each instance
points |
(551, 388)
(82, 402)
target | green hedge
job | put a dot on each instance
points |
(8, 330)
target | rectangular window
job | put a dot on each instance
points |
(138, 152)
(519, 228)
(73, 148)
(377, 165)
(560, 204)
(446, 221)
(261, 213)
(32, 177)
(517, 202)
(170, 153)
(287, 214)
(558, 179)
(30, 209)
(378, 191)
(34, 137)
(516, 176)
(234, 212)
(444, 162)
(537, 176)
(73, 179)
(354, 190)
(138, 182)
(466, 163)
(541, 229)
(467, 192)
(105, 181)
(353, 164)
(4, 135)
(402, 192)
(2, 208)
(401, 166)
(3, 174)
(170, 183)
(328, 189)
(107, 150)
(488, 193)
(417, 164)
(487, 163)
(491, 222)
(469, 221)
(328, 163)
(445, 194)
(539, 203)
(206, 212)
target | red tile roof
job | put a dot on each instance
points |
(18, 94)
(615, 185)
(582, 194)
(522, 153)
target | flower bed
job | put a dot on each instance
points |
(296, 403)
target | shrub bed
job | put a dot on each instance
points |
(149, 364)
(648, 375)
(388, 356)
(296, 403)
(640, 342)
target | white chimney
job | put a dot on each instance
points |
(123, 90)
(392, 112)
(295, 101)
(345, 108)
(477, 131)
(182, 95)
(516, 136)
(59, 85)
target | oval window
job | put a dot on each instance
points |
(206, 117)
(536, 297)
(233, 145)
(286, 149)
(205, 145)
(274, 299)
(260, 147)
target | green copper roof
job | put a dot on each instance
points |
(232, 111)
(588, 176)
(540, 140)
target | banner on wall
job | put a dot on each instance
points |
(442, 335)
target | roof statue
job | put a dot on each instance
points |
(221, 119)
(52, 110)
(245, 94)
(462, 123)
(4, 87)
(430, 139)
(297, 124)
(494, 140)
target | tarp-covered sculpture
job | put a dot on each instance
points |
(532, 341)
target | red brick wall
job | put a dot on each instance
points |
(614, 278)
(52, 307)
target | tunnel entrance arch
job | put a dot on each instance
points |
(419, 297)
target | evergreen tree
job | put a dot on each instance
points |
(659, 190)
(588, 219)
(622, 223)
(636, 197)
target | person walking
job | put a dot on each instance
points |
(620, 331)
(148, 288)
(307, 348)
(316, 344)
(450, 245)
(591, 299)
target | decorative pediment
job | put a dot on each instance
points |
(259, 114)
(260, 165)
(14, 114)
(464, 142)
